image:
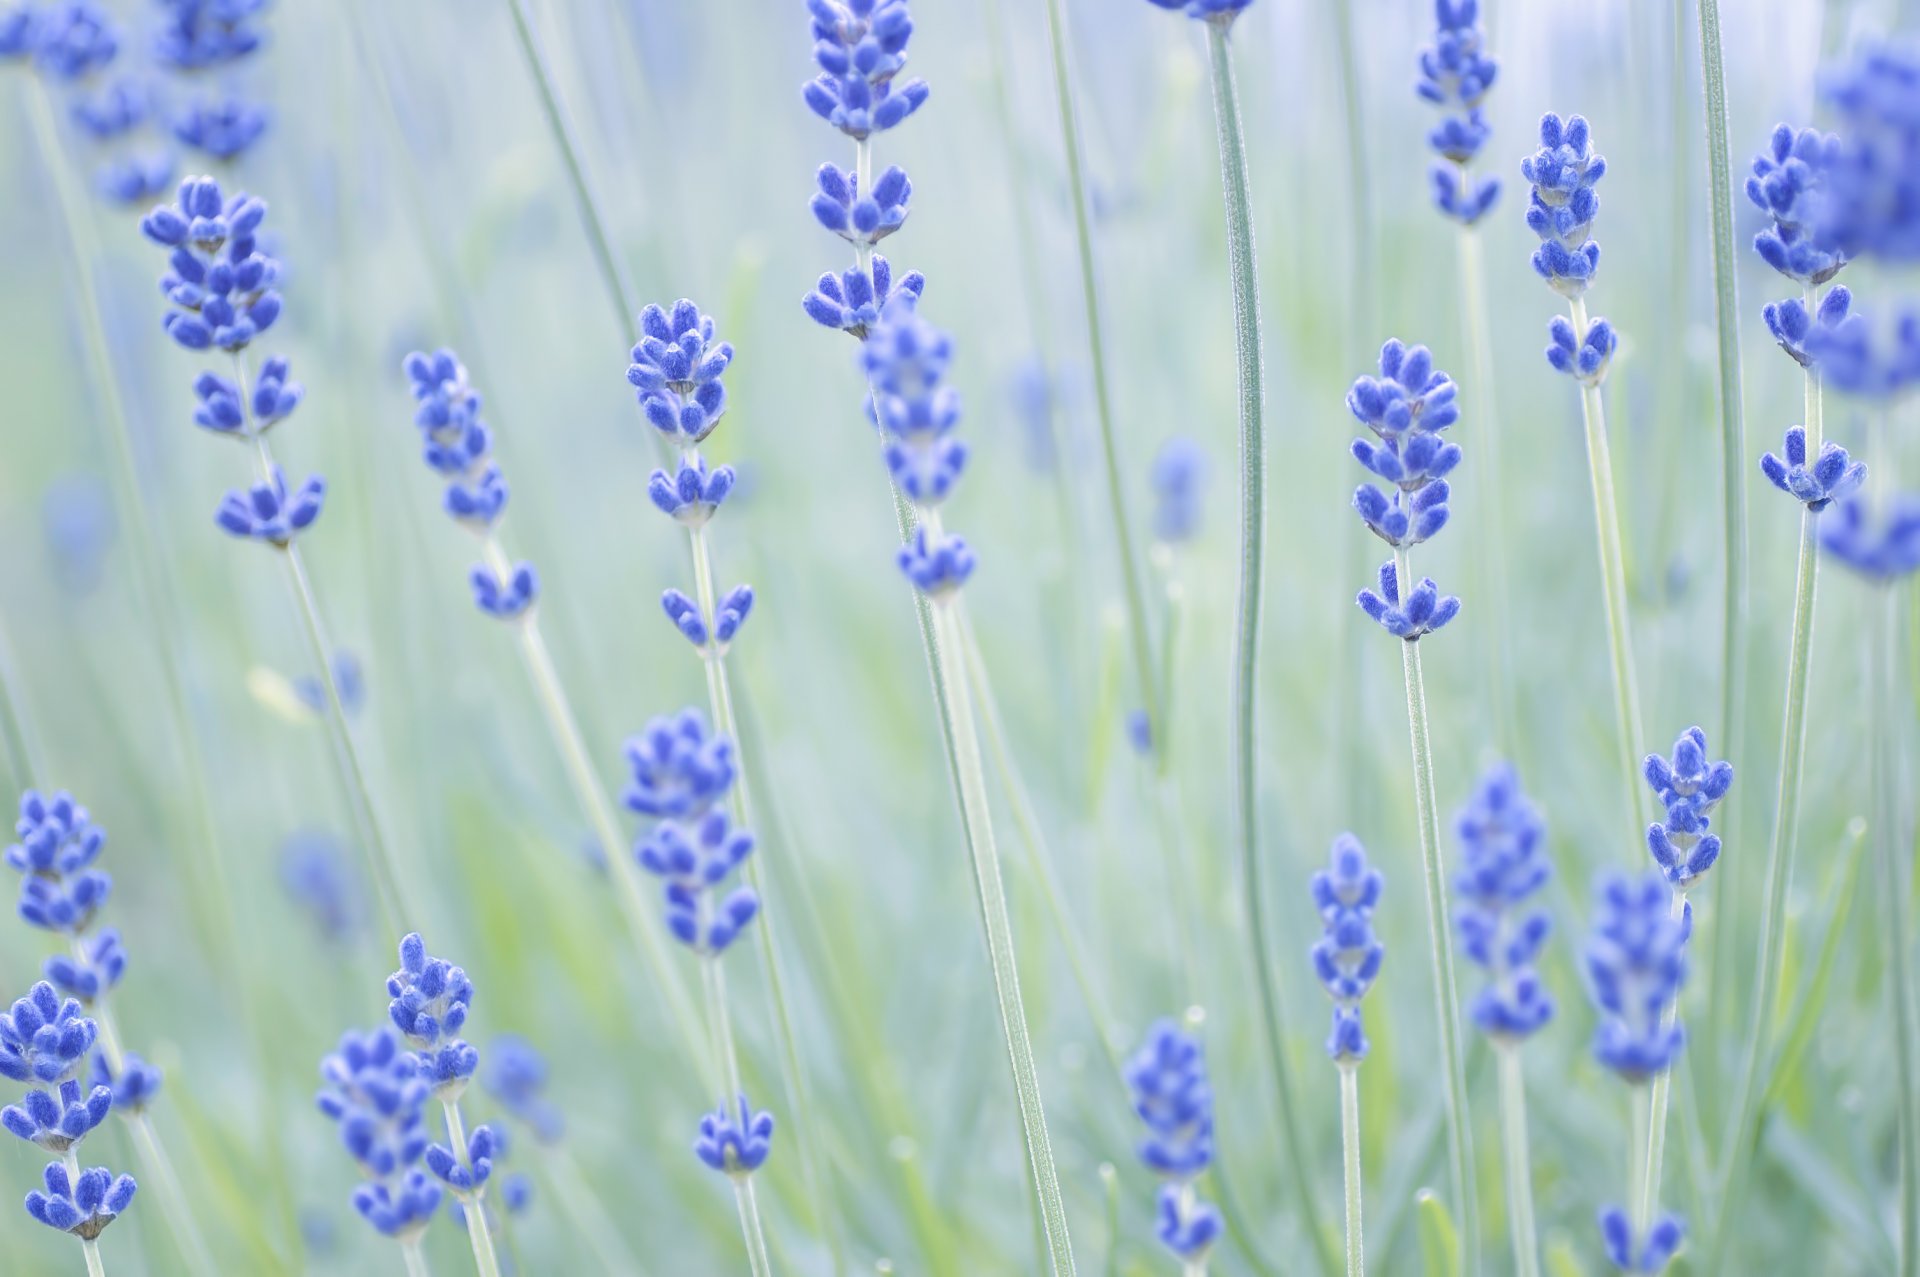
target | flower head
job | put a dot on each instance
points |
(1792, 325)
(73, 39)
(200, 35)
(735, 1147)
(853, 300)
(516, 1076)
(134, 1087)
(1424, 611)
(504, 598)
(1882, 545)
(465, 1177)
(678, 768)
(1504, 864)
(1788, 185)
(1405, 407)
(1347, 956)
(676, 372)
(113, 112)
(1832, 475)
(317, 875)
(267, 512)
(1455, 74)
(937, 567)
(58, 1121)
(1636, 961)
(1871, 189)
(374, 1089)
(44, 1037)
(860, 47)
(1651, 1253)
(83, 1205)
(1179, 479)
(1188, 1229)
(401, 1210)
(1563, 204)
(1171, 1095)
(1857, 357)
(222, 128)
(729, 614)
(430, 995)
(691, 496)
(861, 219)
(95, 966)
(219, 282)
(60, 889)
(693, 857)
(1583, 358)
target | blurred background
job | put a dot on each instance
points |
(418, 200)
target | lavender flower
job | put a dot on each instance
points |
(693, 857)
(1455, 74)
(906, 361)
(861, 219)
(1406, 407)
(60, 890)
(219, 282)
(1585, 359)
(375, 1092)
(1504, 864)
(401, 1209)
(516, 1076)
(1347, 956)
(505, 598)
(853, 300)
(1832, 475)
(1872, 180)
(676, 371)
(467, 1170)
(56, 1122)
(1636, 962)
(1792, 326)
(1221, 11)
(73, 39)
(1424, 611)
(1563, 204)
(135, 1086)
(729, 614)
(692, 495)
(1882, 546)
(82, 1205)
(91, 970)
(1856, 359)
(1652, 1253)
(430, 995)
(268, 512)
(1171, 1095)
(222, 129)
(1788, 185)
(678, 768)
(735, 1148)
(1179, 488)
(861, 47)
(44, 1038)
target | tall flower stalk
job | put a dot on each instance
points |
(1561, 211)
(1346, 959)
(1504, 865)
(1406, 408)
(860, 49)
(1456, 73)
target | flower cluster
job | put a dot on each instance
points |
(735, 1144)
(1171, 1095)
(1881, 546)
(60, 889)
(1689, 787)
(1636, 962)
(1455, 74)
(1858, 357)
(1871, 189)
(860, 47)
(681, 774)
(1793, 326)
(1504, 864)
(861, 219)
(113, 118)
(70, 41)
(220, 283)
(82, 1205)
(906, 361)
(374, 1090)
(516, 1077)
(1563, 204)
(853, 300)
(1179, 490)
(213, 35)
(1220, 11)
(1832, 474)
(457, 446)
(430, 997)
(1347, 956)
(1788, 185)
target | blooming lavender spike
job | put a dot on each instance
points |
(375, 1091)
(1455, 74)
(693, 857)
(735, 1147)
(678, 768)
(1788, 185)
(1563, 204)
(430, 995)
(692, 495)
(1347, 956)
(1405, 407)
(1882, 546)
(1424, 611)
(402, 1210)
(133, 1088)
(1832, 475)
(861, 48)
(268, 512)
(853, 300)
(676, 371)
(1636, 961)
(95, 966)
(58, 1120)
(1652, 1253)
(1503, 865)
(1791, 325)
(1171, 1095)
(219, 282)
(861, 219)
(222, 129)
(1179, 488)
(60, 890)
(83, 1205)
(44, 1037)
(73, 39)
(1871, 189)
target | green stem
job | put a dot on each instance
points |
(586, 1216)
(749, 1206)
(611, 278)
(1350, 1159)
(1139, 636)
(1493, 535)
(1513, 1138)
(1246, 313)
(481, 1242)
(91, 1250)
(1899, 953)
(176, 1206)
(1637, 1165)
(799, 1101)
(1110, 1194)
(1662, 1092)
(416, 1262)
(1743, 1125)
(713, 980)
(977, 824)
(1613, 577)
(1446, 997)
(594, 802)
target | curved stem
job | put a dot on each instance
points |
(1493, 536)
(1613, 577)
(1140, 638)
(1513, 1138)
(598, 807)
(1888, 853)
(720, 699)
(1662, 1091)
(749, 1206)
(481, 1242)
(977, 823)
(1446, 997)
(1350, 1159)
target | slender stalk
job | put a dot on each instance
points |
(1519, 1168)
(1888, 852)
(1637, 1166)
(1743, 1125)
(1613, 577)
(1350, 1159)
(599, 810)
(177, 1207)
(91, 1249)
(1140, 638)
(484, 1260)
(1662, 1092)
(799, 1094)
(346, 755)
(1446, 997)
(1110, 1194)
(1247, 334)
(1493, 536)
(586, 1216)
(749, 1207)
(977, 823)
(619, 296)
(415, 1260)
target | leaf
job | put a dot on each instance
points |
(1439, 1240)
